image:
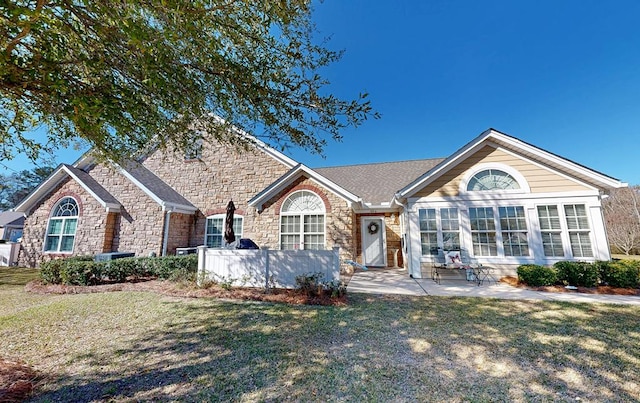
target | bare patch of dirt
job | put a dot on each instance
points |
(189, 290)
(16, 381)
(513, 281)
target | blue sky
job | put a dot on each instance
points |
(563, 75)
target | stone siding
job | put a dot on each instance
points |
(91, 227)
(222, 173)
(140, 224)
(339, 218)
(181, 226)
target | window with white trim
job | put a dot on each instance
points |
(214, 229)
(513, 225)
(551, 230)
(450, 224)
(428, 231)
(302, 221)
(483, 231)
(61, 229)
(448, 228)
(578, 226)
(492, 179)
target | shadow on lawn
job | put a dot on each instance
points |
(377, 348)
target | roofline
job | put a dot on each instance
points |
(166, 206)
(258, 200)
(53, 180)
(411, 188)
(87, 159)
(272, 152)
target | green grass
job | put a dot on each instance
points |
(127, 346)
(626, 257)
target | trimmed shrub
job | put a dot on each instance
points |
(536, 275)
(581, 274)
(84, 271)
(80, 272)
(622, 273)
(50, 271)
(174, 268)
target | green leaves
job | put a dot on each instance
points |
(120, 75)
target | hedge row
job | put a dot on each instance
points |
(82, 270)
(620, 273)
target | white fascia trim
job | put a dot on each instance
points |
(272, 152)
(275, 154)
(442, 167)
(178, 208)
(470, 147)
(468, 197)
(52, 181)
(109, 207)
(570, 165)
(293, 174)
(539, 165)
(368, 209)
(165, 206)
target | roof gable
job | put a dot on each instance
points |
(156, 188)
(291, 176)
(106, 199)
(497, 139)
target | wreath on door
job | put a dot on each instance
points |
(373, 228)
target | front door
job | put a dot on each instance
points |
(374, 249)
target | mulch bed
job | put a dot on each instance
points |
(16, 381)
(513, 281)
(191, 291)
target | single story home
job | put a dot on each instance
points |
(502, 200)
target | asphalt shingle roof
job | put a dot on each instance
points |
(378, 183)
(92, 184)
(156, 185)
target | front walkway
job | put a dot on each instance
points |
(397, 281)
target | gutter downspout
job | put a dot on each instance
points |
(165, 235)
(406, 242)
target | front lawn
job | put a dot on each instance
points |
(126, 346)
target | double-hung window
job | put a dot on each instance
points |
(551, 231)
(450, 224)
(483, 231)
(428, 231)
(447, 224)
(214, 231)
(61, 230)
(578, 226)
(513, 225)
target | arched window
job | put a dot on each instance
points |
(214, 231)
(492, 179)
(61, 231)
(302, 221)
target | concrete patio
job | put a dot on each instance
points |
(397, 281)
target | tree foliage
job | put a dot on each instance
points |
(120, 75)
(622, 217)
(15, 187)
